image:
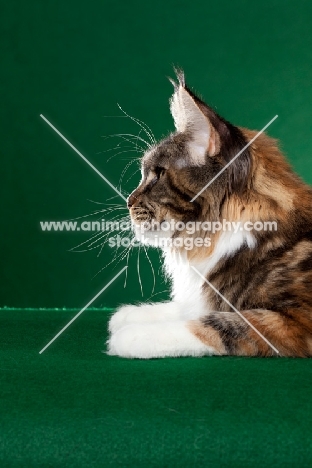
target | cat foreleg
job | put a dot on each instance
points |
(157, 340)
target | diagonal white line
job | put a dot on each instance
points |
(83, 157)
(82, 310)
(235, 157)
(235, 310)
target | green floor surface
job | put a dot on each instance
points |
(74, 406)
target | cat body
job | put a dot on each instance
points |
(246, 292)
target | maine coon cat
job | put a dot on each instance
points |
(264, 274)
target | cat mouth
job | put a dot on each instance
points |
(146, 220)
(151, 225)
(141, 215)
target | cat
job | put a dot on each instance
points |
(244, 293)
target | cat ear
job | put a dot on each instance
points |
(189, 118)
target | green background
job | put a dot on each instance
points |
(72, 62)
(73, 406)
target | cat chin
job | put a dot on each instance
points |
(151, 237)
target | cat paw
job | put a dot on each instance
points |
(131, 341)
(145, 313)
(122, 317)
(156, 340)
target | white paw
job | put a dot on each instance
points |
(122, 317)
(129, 342)
(142, 314)
(155, 340)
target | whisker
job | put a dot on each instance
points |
(101, 248)
(121, 152)
(104, 267)
(152, 268)
(134, 143)
(106, 233)
(138, 270)
(128, 255)
(135, 172)
(107, 210)
(111, 198)
(142, 124)
(84, 242)
(124, 135)
(116, 147)
(100, 238)
(124, 254)
(135, 119)
(156, 294)
(125, 170)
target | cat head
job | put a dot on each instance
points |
(176, 169)
(196, 155)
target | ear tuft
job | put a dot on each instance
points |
(174, 84)
(180, 75)
(188, 117)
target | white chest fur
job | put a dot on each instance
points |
(186, 282)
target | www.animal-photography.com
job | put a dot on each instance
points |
(156, 300)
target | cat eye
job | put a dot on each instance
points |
(159, 171)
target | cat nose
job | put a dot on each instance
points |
(130, 201)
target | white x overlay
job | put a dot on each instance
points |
(123, 269)
(119, 193)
